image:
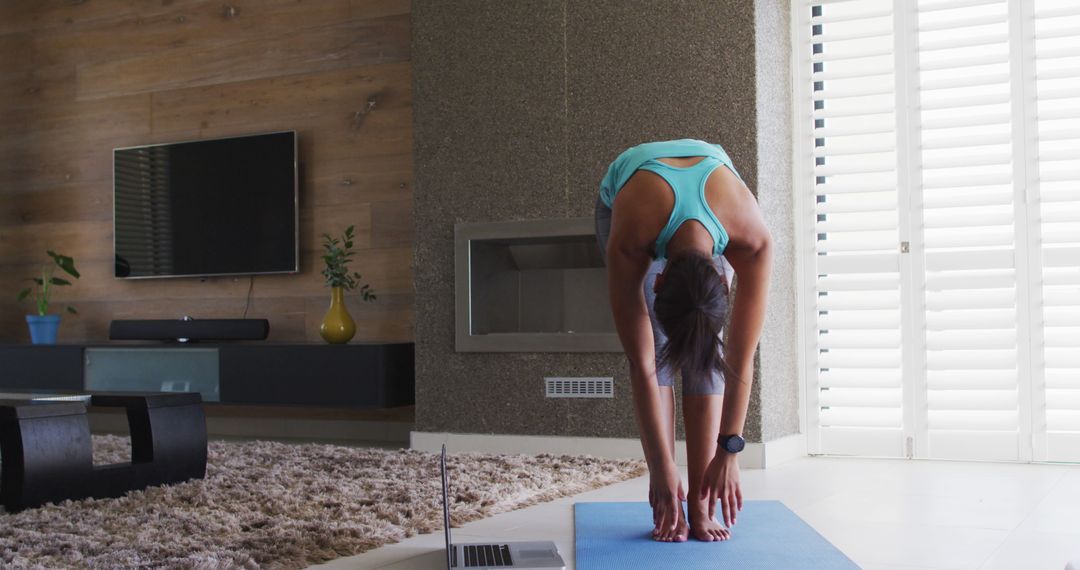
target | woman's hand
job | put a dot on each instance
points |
(665, 493)
(652, 499)
(722, 484)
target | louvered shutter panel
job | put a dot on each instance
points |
(1057, 90)
(952, 125)
(856, 347)
(969, 210)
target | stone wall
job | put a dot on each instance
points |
(519, 108)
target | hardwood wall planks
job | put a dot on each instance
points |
(79, 79)
(199, 24)
(39, 15)
(376, 8)
(335, 94)
(347, 44)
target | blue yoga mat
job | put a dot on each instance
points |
(616, 536)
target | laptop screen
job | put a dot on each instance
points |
(446, 510)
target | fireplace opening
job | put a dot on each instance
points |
(532, 286)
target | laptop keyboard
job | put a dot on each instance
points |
(486, 555)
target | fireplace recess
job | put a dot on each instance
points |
(531, 286)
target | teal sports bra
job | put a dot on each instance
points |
(687, 184)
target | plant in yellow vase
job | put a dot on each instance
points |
(337, 326)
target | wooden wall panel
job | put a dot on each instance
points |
(54, 203)
(347, 44)
(18, 53)
(381, 267)
(31, 167)
(71, 123)
(391, 223)
(79, 79)
(373, 179)
(377, 8)
(39, 15)
(373, 91)
(200, 24)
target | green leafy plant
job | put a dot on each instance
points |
(337, 257)
(42, 288)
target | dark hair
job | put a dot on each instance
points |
(691, 306)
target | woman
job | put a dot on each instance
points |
(672, 216)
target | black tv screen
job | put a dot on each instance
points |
(212, 207)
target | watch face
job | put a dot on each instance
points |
(735, 444)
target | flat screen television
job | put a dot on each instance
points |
(211, 207)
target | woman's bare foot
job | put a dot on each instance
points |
(680, 534)
(702, 527)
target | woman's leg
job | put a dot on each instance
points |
(701, 413)
(665, 378)
(667, 403)
(703, 399)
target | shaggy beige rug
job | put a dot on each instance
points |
(275, 505)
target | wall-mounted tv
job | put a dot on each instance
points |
(211, 207)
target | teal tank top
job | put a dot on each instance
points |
(687, 183)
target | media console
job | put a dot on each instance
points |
(311, 375)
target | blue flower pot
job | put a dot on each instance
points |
(43, 328)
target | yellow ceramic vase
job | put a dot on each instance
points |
(337, 326)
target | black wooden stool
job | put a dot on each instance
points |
(47, 456)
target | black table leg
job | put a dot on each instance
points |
(168, 443)
(46, 453)
(168, 440)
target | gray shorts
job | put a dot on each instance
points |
(713, 385)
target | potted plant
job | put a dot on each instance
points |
(43, 326)
(338, 326)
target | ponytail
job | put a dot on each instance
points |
(691, 306)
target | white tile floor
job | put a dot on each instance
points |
(884, 514)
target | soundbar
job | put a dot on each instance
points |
(189, 330)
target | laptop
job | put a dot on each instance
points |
(543, 555)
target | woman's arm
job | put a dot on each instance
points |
(626, 277)
(750, 255)
(628, 264)
(752, 261)
(749, 251)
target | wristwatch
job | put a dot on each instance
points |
(732, 443)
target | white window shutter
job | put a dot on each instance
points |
(857, 358)
(1057, 90)
(941, 302)
(965, 86)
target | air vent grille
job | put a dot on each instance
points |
(579, 387)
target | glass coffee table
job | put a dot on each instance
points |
(46, 449)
